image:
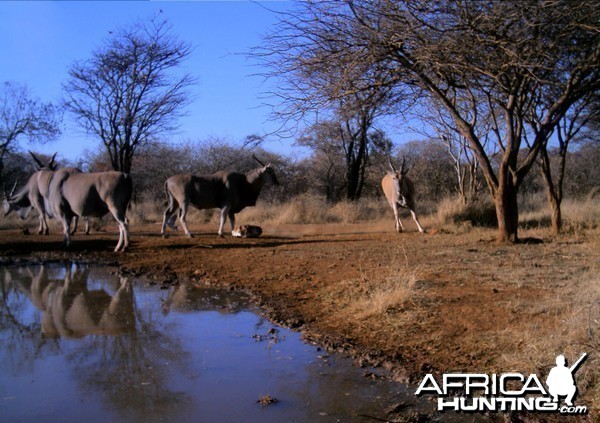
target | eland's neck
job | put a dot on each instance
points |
(254, 178)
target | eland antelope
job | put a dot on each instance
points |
(229, 191)
(30, 196)
(21, 201)
(91, 195)
(34, 194)
(399, 191)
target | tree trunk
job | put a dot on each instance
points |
(554, 191)
(555, 214)
(352, 181)
(507, 213)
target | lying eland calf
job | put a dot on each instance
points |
(247, 231)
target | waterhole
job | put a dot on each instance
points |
(80, 343)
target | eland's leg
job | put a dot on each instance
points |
(123, 228)
(399, 226)
(414, 216)
(224, 214)
(75, 224)
(45, 230)
(87, 225)
(232, 220)
(182, 215)
(124, 231)
(169, 215)
(66, 230)
(123, 236)
(41, 227)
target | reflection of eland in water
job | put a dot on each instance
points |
(71, 310)
(90, 324)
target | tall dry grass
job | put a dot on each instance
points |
(312, 209)
(577, 214)
(378, 291)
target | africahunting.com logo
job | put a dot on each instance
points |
(475, 392)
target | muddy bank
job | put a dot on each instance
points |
(468, 304)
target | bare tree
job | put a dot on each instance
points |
(128, 94)
(320, 85)
(464, 160)
(23, 116)
(570, 126)
(326, 165)
(583, 179)
(499, 59)
(429, 169)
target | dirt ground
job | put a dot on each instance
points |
(472, 306)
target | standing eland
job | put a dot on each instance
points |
(229, 191)
(20, 202)
(30, 196)
(35, 194)
(91, 195)
(399, 191)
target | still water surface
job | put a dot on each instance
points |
(78, 343)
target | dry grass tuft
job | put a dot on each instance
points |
(456, 217)
(379, 291)
(382, 293)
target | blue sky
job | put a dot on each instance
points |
(41, 40)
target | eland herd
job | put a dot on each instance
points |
(68, 193)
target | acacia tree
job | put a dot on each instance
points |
(319, 86)
(569, 127)
(23, 116)
(127, 93)
(506, 60)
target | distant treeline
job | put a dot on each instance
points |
(429, 166)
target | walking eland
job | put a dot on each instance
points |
(91, 195)
(399, 191)
(229, 191)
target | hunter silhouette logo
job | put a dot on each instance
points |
(506, 392)
(561, 380)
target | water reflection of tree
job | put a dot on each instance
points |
(130, 370)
